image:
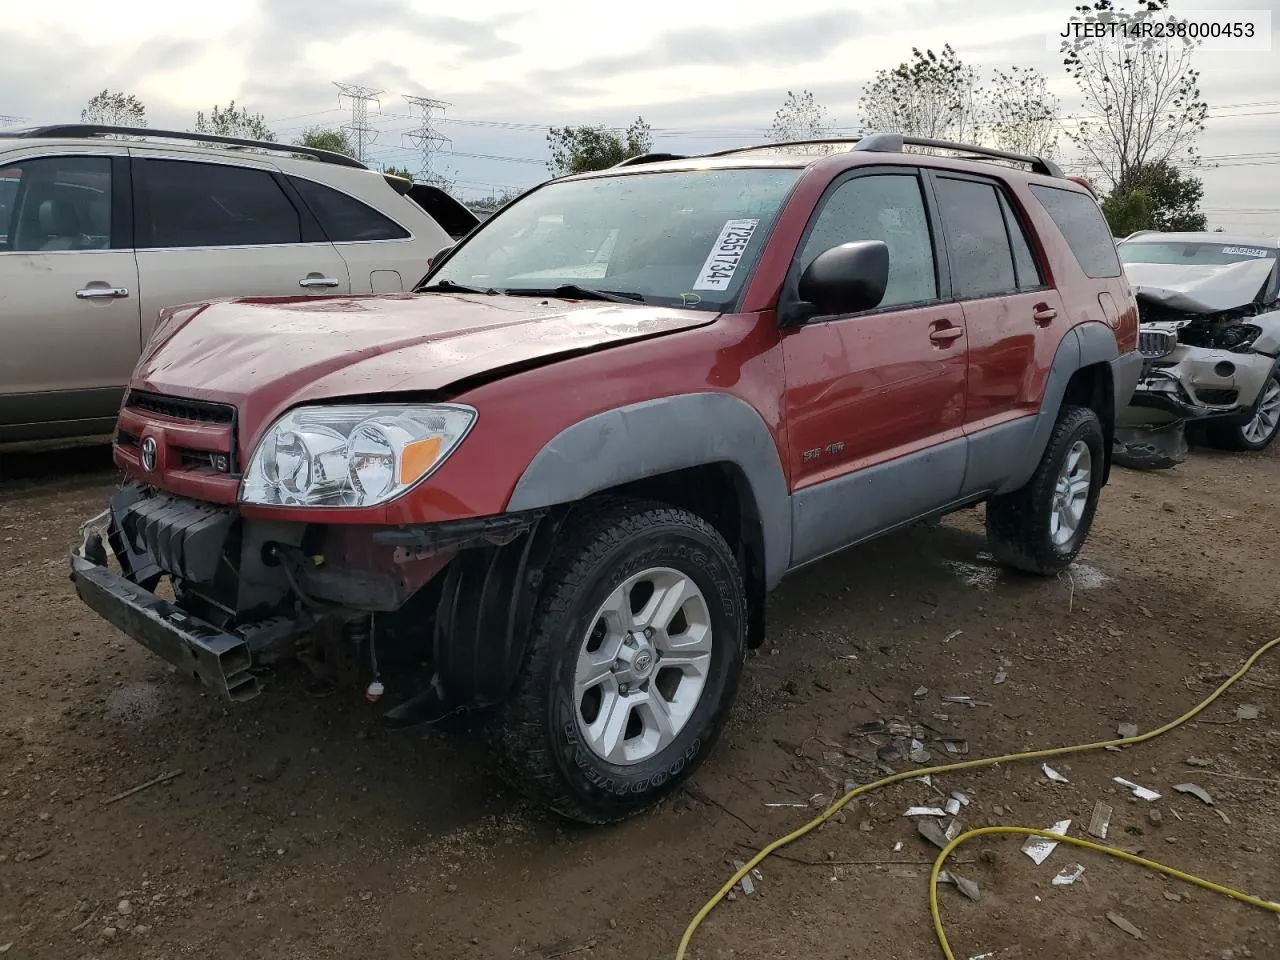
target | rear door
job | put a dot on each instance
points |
(1014, 320)
(209, 229)
(69, 320)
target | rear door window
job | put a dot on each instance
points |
(345, 219)
(56, 203)
(982, 260)
(192, 204)
(1084, 228)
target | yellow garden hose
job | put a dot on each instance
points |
(1026, 831)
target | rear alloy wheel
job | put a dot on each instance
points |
(635, 653)
(1041, 527)
(1258, 432)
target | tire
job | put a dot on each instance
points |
(1020, 525)
(1260, 430)
(549, 741)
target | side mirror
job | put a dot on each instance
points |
(438, 254)
(845, 279)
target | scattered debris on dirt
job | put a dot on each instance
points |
(1101, 820)
(1125, 925)
(967, 887)
(1142, 793)
(1039, 848)
(1246, 711)
(1195, 791)
(1069, 876)
(1127, 731)
(1054, 775)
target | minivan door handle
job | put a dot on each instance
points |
(102, 292)
(946, 334)
(1044, 314)
(318, 282)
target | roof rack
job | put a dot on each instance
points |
(87, 130)
(649, 158)
(894, 143)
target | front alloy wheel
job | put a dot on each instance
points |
(634, 656)
(1258, 431)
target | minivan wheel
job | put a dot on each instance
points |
(1256, 433)
(1041, 527)
(635, 653)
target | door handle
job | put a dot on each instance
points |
(1044, 314)
(946, 334)
(102, 293)
(318, 282)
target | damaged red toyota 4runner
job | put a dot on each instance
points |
(555, 484)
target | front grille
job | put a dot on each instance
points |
(1154, 344)
(181, 408)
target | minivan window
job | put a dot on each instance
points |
(343, 218)
(1084, 228)
(213, 205)
(977, 239)
(56, 203)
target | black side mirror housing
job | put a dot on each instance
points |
(848, 278)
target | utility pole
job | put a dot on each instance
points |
(362, 135)
(426, 136)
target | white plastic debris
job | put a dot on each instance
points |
(952, 806)
(962, 797)
(1142, 793)
(925, 812)
(1000, 676)
(747, 886)
(1127, 731)
(951, 636)
(1247, 711)
(1054, 775)
(921, 692)
(1039, 848)
(897, 847)
(1198, 792)
(1068, 876)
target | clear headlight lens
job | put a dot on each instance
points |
(352, 456)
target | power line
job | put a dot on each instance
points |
(360, 97)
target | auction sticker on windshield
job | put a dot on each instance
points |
(722, 262)
(1244, 251)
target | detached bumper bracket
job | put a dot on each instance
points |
(219, 660)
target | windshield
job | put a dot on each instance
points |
(684, 239)
(1190, 253)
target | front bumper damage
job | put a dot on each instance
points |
(220, 660)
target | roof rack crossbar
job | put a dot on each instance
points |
(649, 158)
(88, 130)
(894, 143)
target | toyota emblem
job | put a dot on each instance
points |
(149, 454)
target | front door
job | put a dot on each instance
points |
(210, 230)
(69, 317)
(875, 402)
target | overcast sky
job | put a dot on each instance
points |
(704, 75)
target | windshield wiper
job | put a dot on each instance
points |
(571, 291)
(448, 286)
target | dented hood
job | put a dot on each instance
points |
(269, 354)
(1199, 288)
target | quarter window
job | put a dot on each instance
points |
(886, 207)
(1084, 228)
(214, 205)
(343, 218)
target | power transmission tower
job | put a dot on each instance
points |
(428, 139)
(362, 135)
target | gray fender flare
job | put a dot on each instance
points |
(660, 436)
(1082, 346)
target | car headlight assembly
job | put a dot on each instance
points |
(352, 456)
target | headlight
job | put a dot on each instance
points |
(357, 456)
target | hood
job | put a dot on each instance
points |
(264, 355)
(1199, 288)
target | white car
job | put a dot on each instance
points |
(1209, 305)
(102, 227)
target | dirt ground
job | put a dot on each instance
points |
(297, 828)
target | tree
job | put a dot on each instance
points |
(233, 121)
(398, 172)
(1172, 199)
(927, 96)
(1142, 95)
(115, 109)
(1018, 113)
(1127, 213)
(800, 117)
(579, 149)
(318, 138)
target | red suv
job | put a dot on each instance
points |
(555, 483)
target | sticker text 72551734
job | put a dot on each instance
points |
(722, 262)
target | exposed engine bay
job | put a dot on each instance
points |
(1209, 336)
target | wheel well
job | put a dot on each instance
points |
(1092, 387)
(720, 494)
